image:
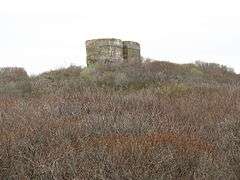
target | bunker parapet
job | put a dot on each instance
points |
(112, 51)
(104, 51)
(131, 52)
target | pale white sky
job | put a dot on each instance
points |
(40, 35)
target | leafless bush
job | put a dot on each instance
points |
(121, 123)
(14, 81)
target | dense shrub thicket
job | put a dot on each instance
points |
(14, 81)
(157, 120)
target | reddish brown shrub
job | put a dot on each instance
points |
(74, 127)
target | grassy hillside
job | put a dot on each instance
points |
(157, 120)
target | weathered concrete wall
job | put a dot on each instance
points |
(131, 52)
(112, 51)
(104, 51)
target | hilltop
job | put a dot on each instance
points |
(154, 120)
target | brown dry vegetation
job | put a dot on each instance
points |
(157, 120)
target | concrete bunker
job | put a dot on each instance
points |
(112, 51)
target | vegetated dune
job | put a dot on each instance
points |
(157, 120)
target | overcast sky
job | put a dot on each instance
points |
(40, 35)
